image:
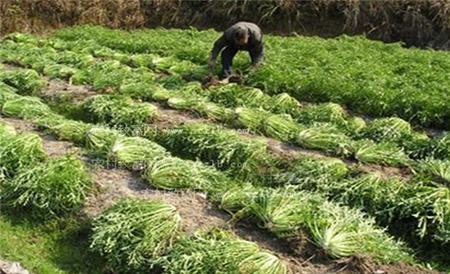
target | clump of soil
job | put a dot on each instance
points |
(57, 89)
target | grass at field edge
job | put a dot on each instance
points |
(58, 246)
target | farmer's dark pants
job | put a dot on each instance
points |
(227, 58)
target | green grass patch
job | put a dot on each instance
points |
(57, 247)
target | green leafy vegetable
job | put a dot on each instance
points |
(133, 233)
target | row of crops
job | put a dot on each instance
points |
(325, 127)
(368, 77)
(308, 196)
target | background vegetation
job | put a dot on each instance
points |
(417, 23)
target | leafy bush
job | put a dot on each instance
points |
(48, 189)
(133, 233)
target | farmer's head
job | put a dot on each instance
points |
(241, 37)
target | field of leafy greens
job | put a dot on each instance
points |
(327, 143)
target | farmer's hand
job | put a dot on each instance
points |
(225, 80)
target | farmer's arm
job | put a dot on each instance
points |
(257, 54)
(218, 46)
(257, 44)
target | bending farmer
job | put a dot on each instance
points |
(241, 36)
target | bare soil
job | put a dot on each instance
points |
(169, 118)
(58, 89)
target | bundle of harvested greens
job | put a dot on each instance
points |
(174, 173)
(327, 138)
(338, 231)
(133, 233)
(217, 251)
(25, 107)
(135, 152)
(281, 127)
(26, 81)
(101, 140)
(389, 154)
(50, 188)
(251, 119)
(20, 151)
(388, 130)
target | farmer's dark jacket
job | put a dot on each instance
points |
(255, 41)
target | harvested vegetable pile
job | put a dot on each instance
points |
(118, 111)
(217, 251)
(48, 189)
(132, 233)
(19, 152)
